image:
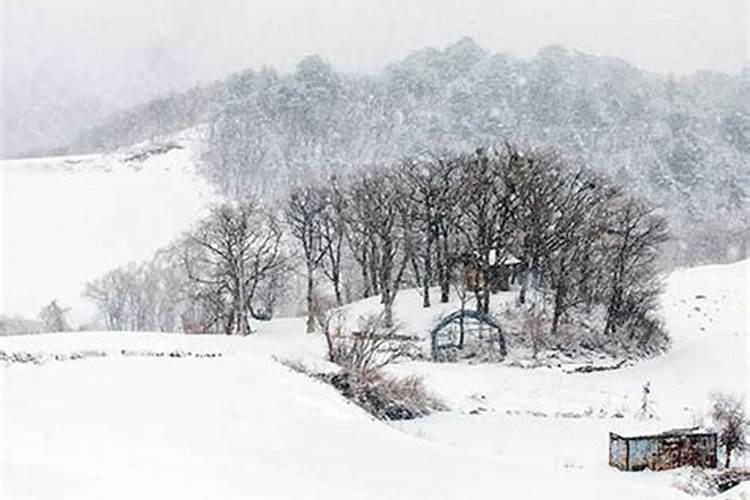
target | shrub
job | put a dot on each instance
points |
(369, 348)
(362, 354)
(383, 396)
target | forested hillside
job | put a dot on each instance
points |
(683, 143)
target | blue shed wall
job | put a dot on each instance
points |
(618, 452)
(641, 452)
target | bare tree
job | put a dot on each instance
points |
(169, 280)
(359, 237)
(488, 204)
(728, 414)
(539, 177)
(230, 253)
(139, 296)
(305, 213)
(378, 209)
(110, 293)
(204, 309)
(575, 213)
(431, 187)
(634, 233)
(333, 235)
(53, 317)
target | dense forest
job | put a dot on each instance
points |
(681, 142)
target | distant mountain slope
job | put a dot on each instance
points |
(682, 142)
(67, 220)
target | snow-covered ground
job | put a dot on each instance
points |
(66, 220)
(132, 425)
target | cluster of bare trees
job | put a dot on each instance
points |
(228, 268)
(581, 241)
(139, 296)
(583, 244)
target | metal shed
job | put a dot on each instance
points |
(668, 450)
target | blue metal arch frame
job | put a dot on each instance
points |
(455, 317)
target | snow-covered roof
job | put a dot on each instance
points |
(509, 260)
(684, 431)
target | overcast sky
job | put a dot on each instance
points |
(81, 58)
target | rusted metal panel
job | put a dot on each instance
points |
(677, 451)
(663, 451)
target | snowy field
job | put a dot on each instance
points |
(126, 424)
(67, 220)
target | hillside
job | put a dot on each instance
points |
(127, 424)
(683, 143)
(67, 220)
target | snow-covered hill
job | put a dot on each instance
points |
(66, 220)
(528, 413)
(128, 424)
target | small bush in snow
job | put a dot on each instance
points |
(367, 349)
(384, 396)
(362, 354)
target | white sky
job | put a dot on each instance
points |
(109, 53)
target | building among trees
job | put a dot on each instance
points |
(502, 272)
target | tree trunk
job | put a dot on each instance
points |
(445, 275)
(612, 310)
(557, 313)
(310, 305)
(445, 291)
(241, 305)
(244, 322)
(426, 295)
(524, 283)
(387, 299)
(485, 293)
(427, 280)
(364, 264)
(334, 256)
(374, 274)
(415, 268)
(615, 301)
(337, 290)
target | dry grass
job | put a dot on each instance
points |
(386, 397)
